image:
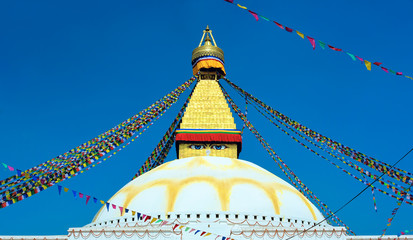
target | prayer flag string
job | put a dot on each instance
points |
(284, 168)
(400, 175)
(82, 158)
(322, 44)
(142, 216)
(396, 188)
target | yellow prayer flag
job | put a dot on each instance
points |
(368, 65)
(300, 34)
(207, 234)
(241, 6)
(133, 212)
(409, 77)
(65, 189)
(29, 194)
(103, 203)
(153, 220)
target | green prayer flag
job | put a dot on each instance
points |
(322, 45)
(352, 56)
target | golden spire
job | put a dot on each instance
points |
(208, 127)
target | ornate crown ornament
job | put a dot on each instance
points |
(208, 56)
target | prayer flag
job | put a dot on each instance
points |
(335, 49)
(266, 19)
(409, 77)
(203, 233)
(254, 14)
(399, 73)
(359, 58)
(74, 194)
(60, 189)
(300, 34)
(107, 206)
(312, 41)
(207, 234)
(121, 210)
(147, 218)
(368, 65)
(139, 215)
(241, 6)
(102, 202)
(352, 56)
(113, 206)
(10, 168)
(281, 26)
(322, 45)
(153, 220)
(288, 29)
(176, 225)
(81, 195)
(19, 172)
(377, 63)
(4, 165)
(126, 210)
(197, 231)
(87, 199)
(230, 1)
(192, 230)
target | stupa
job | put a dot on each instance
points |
(207, 193)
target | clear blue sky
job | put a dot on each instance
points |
(69, 70)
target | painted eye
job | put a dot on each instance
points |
(197, 147)
(219, 147)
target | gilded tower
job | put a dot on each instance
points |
(207, 127)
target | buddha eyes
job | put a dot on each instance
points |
(201, 146)
(197, 146)
(218, 147)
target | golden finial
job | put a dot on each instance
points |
(208, 49)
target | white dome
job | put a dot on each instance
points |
(198, 185)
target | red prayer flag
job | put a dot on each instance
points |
(254, 14)
(81, 195)
(203, 233)
(87, 199)
(281, 26)
(230, 1)
(335, 49)
(377, 63)
(113, 206)
(312, 41)
(288, 29)
(399, 73)
(121, 210)
(385, 69)
(176, 225)
(359, 58)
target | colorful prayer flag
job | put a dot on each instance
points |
(281, 26)
(312, 41)
(368, 65)
(241, 6)
(300, 34)
(253, 14)
(352, 56)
